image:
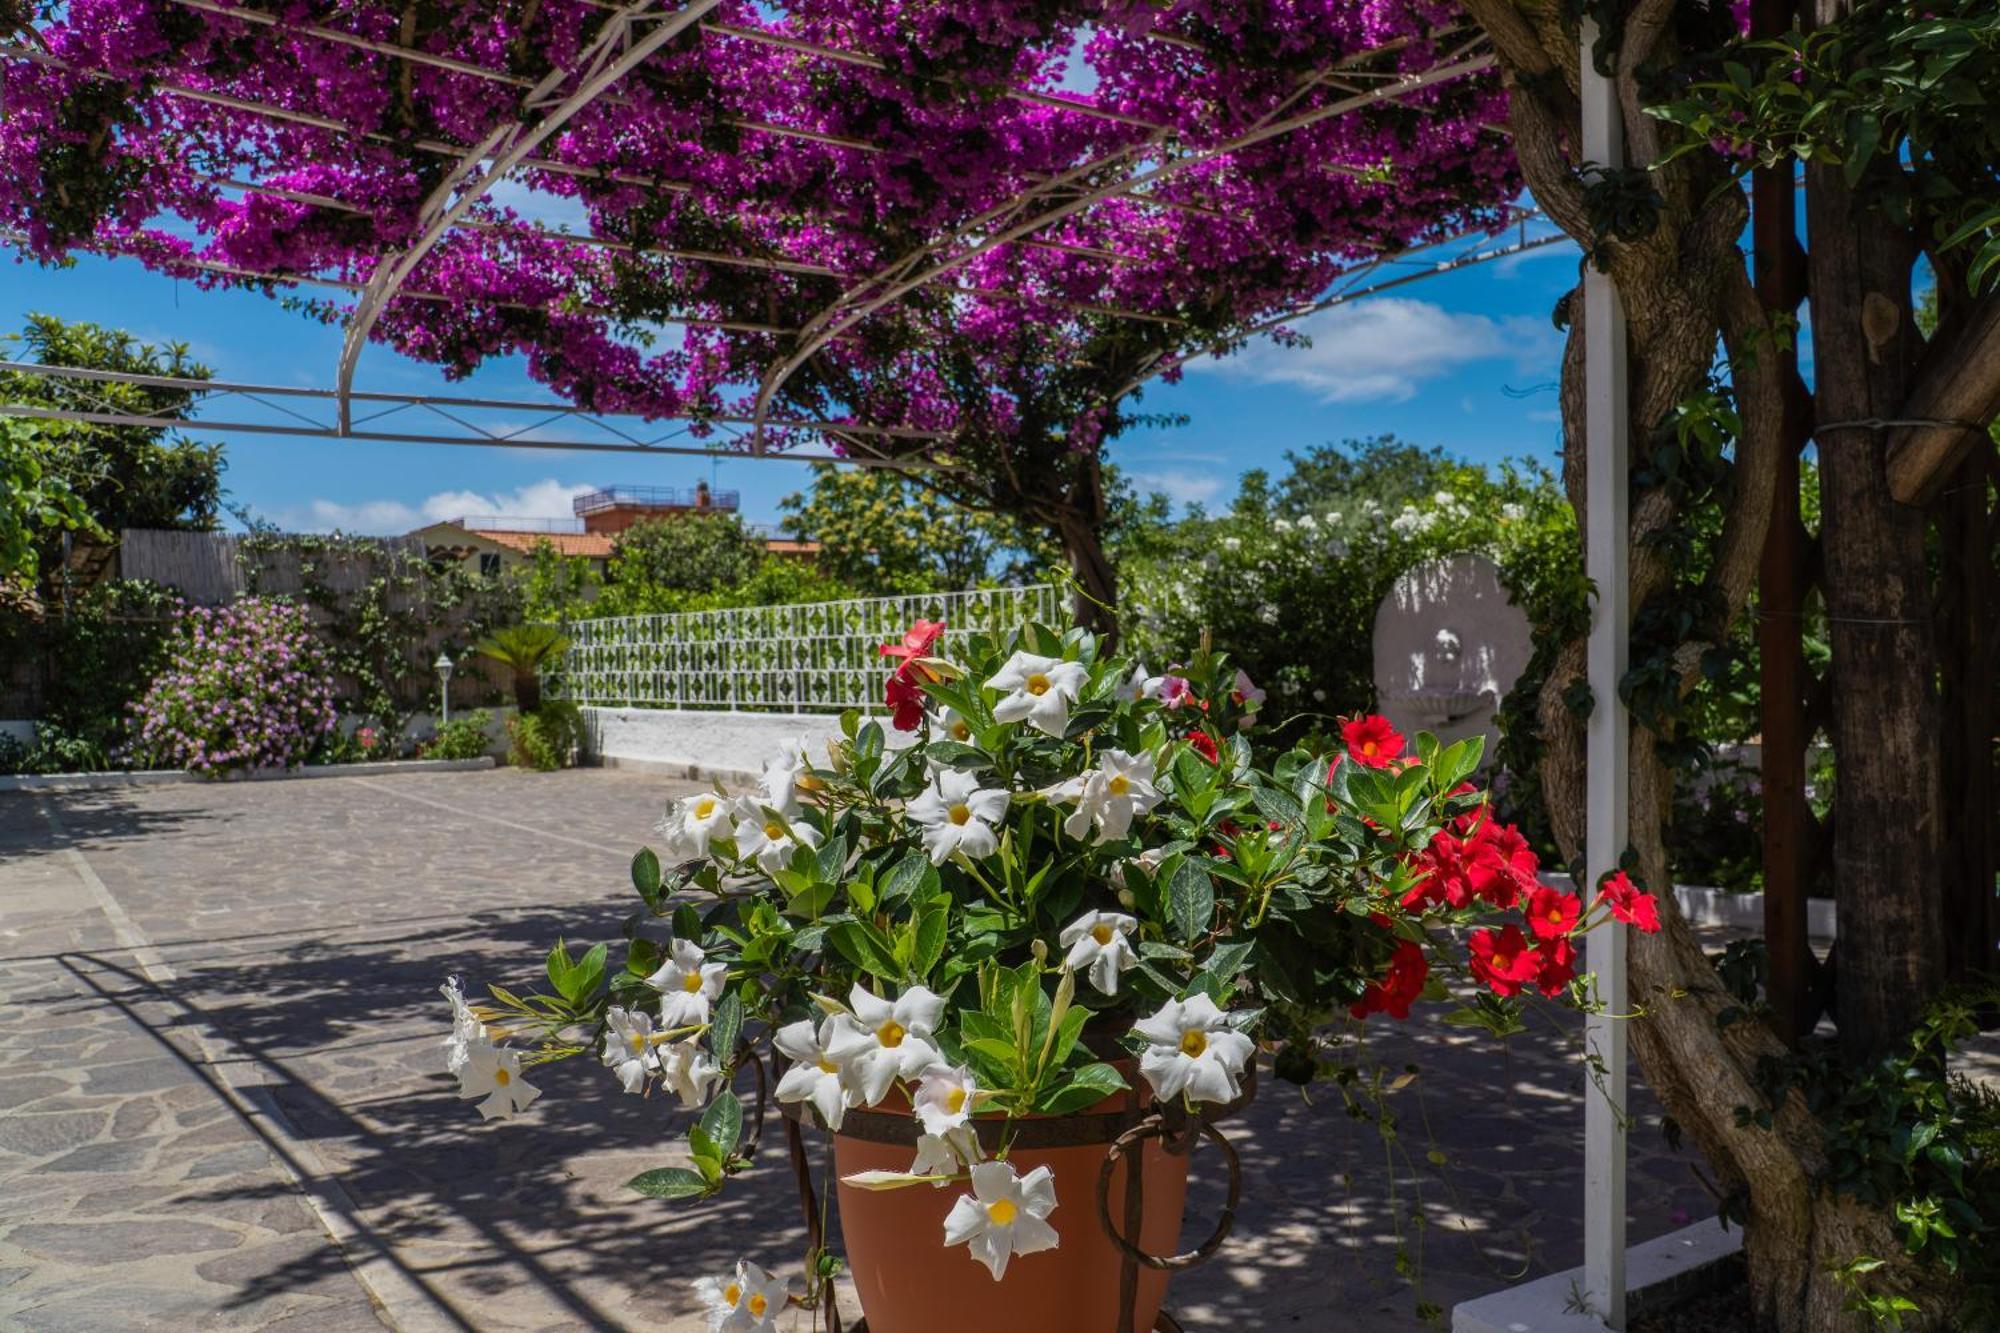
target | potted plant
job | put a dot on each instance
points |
(1044, 940)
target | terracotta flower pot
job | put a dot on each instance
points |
(909, 1282)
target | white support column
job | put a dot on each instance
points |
(1607, 522)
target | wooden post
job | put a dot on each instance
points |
(1607, 524)
(1779, 265)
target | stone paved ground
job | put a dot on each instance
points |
(220, 1105)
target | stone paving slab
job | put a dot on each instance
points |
(306, 927)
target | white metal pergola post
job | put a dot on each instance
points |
(1606, 521)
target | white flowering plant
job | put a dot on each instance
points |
(1072, 879)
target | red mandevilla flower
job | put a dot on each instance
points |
(905, 700)
(1553, 914)
(918, 641)
(1556, 966)
(1629, 904)
(1372, 741)
(1203, 744)
(1398, 987)
(1503, 960)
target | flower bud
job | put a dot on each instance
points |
(1040, 948)
(1127, 899)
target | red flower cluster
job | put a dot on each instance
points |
(1629, 904)
(1475, 860)
(1203, 744)
(903, 692)
(1399, 987)
(1504, 960)
(1372, 741)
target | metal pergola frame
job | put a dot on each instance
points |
(1130, 171)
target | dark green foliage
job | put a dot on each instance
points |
(548, 738)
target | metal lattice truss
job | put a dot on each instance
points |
(816, 657)
(1134, 164)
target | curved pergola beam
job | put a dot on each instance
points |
(601, 64)
(846, 313)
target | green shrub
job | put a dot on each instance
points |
(547, 738)
(461, 738)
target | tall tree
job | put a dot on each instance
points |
(1886, 102)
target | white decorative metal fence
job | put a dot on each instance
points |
(818, 656)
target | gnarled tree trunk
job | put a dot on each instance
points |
(1683, 285)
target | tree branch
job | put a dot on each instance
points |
(1959, 382)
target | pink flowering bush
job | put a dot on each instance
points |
(245, 686)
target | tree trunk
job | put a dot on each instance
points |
(1887, 843)
(527, 690)
(1079, 519)
(1682, 284)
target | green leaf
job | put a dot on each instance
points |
(1227, 959)
(670, 1182)
(904, 878)
(1190, 899)
(725, 1028)
(954, 754)
(559, 969)
(646, 876)
(1277, 805)
(723, 1121)
(687, 923)
(1086, 1087)
(861, 945)
(587, 975)
(832, 858)
(931, 930)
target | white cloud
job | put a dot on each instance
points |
(548, 498)
(1177, 484)
(1383, 349)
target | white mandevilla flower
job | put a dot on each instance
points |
(747, 1300)
(1109, 796)
(813, 1076)
(689, 985)
(1006, 1214)
(956, 727)
(945, 1155)
(466, 1029)
(959, 815)
(945, 1098)
(881, 1041)
(628, 1046)
(1100, 946)
(1139, 685)
(690, 825)
(770, 836)
(1192, 1049)
(494, 1073)
(1039, 691)
(1512, 512)
(687, 1071)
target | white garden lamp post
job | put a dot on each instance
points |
(444, 664)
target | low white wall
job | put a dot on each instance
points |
(698, 743)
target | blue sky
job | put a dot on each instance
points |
(1466, 360)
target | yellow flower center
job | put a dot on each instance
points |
(1193, 1043)
(758, 1305)
(954, 1101)
(691, 982)
(638, 1042)
(1002, 1212)
(827, 1067)
(1102, 933)
(890, 1034)
(732, 1293)
(960, 731)
(774, 830)
(1502, 961)
(1037, 684)
(1555, 914)
(704, 807)
(501, 1078)
(959, 814)
(1119, 784)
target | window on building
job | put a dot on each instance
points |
(489, 564)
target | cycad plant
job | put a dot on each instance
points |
(525, 648)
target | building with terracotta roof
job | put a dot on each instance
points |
(497, 543)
